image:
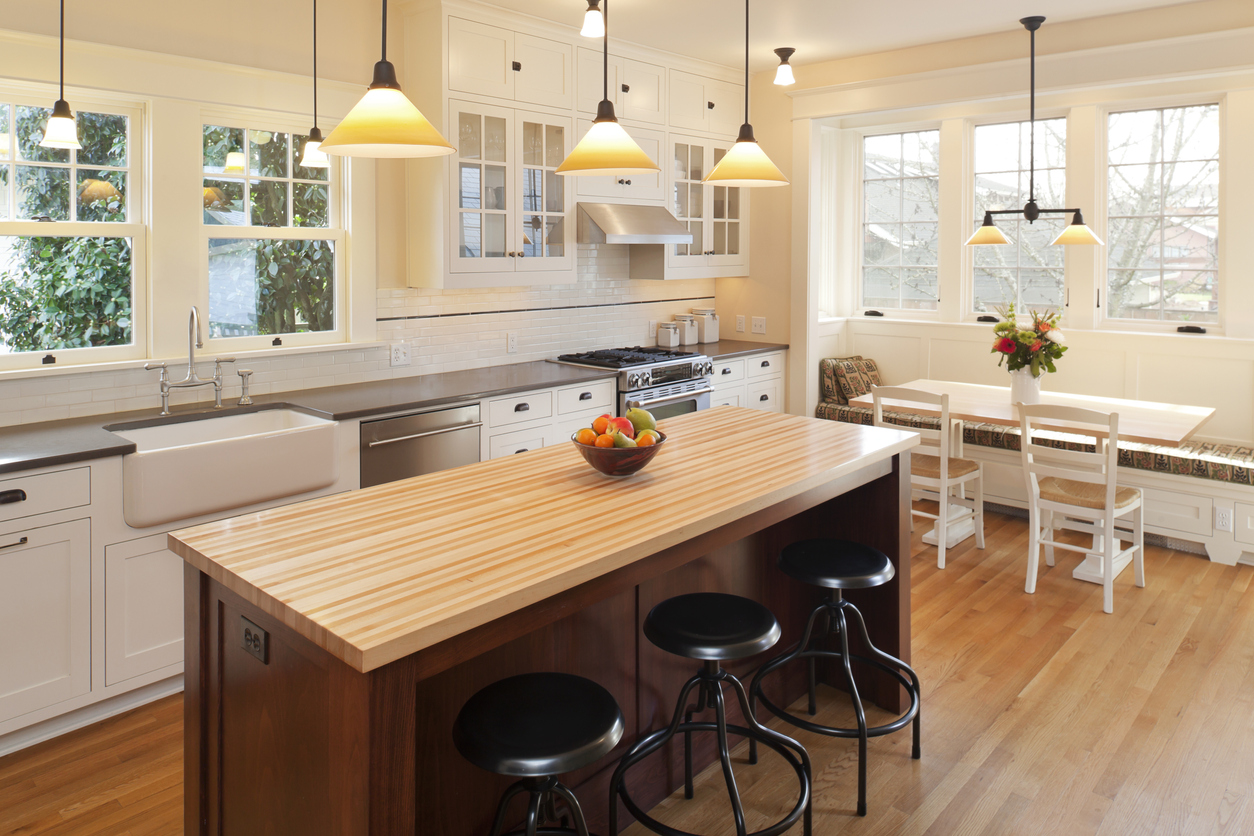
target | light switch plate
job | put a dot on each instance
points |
(759, 325)
(740, 324)
(400, 354)
(652, 333)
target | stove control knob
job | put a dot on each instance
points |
(633, 380)
(644, 379)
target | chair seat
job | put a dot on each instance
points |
(711, 626)
(928, 467)
(538, 724)
(836, 564)
(1084, 494)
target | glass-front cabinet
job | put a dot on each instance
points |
(509, 206)
(713, 214)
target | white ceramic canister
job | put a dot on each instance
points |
(668, 335)
(687, 328)
(707, 324)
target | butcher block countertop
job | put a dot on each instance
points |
(375, 575)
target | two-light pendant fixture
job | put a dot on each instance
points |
(1074, 233)
(62, 131)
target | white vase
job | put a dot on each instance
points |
(1024, 388)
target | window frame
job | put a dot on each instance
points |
(135, 227)
(858, 213)
(335, 231)
(1101, 221)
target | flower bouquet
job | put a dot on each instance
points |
(1029, 352)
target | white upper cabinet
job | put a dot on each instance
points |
(491, 61)
(591, 88)
(637, 88)
(631, 188)
(705, 104)
(715, 215)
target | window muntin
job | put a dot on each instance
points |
(273, 252)
(900, 220)
(1162, 234)
(68, 249)
(1029, 272)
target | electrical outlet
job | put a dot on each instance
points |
(740, 324)
(511, 342)
(400, 354)
(759, 325)
(652, 333)
(255, 640)
(1223, 519)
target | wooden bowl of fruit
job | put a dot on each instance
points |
(620, 446)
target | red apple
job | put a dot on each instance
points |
(623, 426)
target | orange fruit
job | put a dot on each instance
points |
(602, 423)
(586, 436)
(604, 440)
(646, 440)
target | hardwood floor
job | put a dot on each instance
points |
(1041, 714)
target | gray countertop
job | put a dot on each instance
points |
(28, 446)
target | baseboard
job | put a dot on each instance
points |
(1151, 539)
(89, 714)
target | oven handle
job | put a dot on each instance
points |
(441, 431)
(681, 396)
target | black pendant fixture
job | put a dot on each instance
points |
(313, 155)
(1076, 232)
(62, 131)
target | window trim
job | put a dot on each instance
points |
(1101, 220)
(135, 228)
(249, 119)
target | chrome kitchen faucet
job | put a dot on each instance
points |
(194, 341)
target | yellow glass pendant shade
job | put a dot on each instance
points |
(1077, 232)
(62, 131)
(986, 235)
(746, 165)
(95, 191)
(234, 163)
(607, 149)
(385, 123)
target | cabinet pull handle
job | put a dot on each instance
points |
(517, 66)
(440, 431)
(623, 182)
(727, 370)
(710, 105)
(15, 495)
(523, 450)
(522, 407)
(766, 364)
(21, 542)
(626, 88)
(764, 398)
(585, 396)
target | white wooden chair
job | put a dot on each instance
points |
(1080, 487)
(939, 469)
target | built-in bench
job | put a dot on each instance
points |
(1186, 488)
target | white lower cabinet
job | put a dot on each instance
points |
(143, 608)
(765, 395)
(511, 444)
(45, 615)
(755, 382)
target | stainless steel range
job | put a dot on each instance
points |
(664, 381)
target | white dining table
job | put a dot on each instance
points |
(1147, 422)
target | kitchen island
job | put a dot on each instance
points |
(331, 643)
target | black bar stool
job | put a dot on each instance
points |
(837, 565)
(537, 726)
(712, 627)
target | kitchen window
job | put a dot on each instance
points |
(1029, 272)
(273, 239)
(1162, 231)
(900, 214)
(71, 240)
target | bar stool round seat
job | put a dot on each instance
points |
(838, 565)
(712, 627)
(537, 726)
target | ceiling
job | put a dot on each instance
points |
(820, 30)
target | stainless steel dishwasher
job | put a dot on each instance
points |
(420, 442)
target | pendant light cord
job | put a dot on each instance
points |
(315, 61)
(385, 30)
(1032, 119)
(605, 51)
(62, 50)
(746, 62)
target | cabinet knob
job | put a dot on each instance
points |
(710, 105)
(518, 68)
(623, 182)
(764, 398)
(626, 88)
(511, 254)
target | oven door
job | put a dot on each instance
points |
(666, 405)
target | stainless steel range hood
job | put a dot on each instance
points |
(628, 223)
(647, 230)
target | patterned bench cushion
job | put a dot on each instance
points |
(829, 388)
(1199, 459)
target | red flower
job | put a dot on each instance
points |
(1005, 345)
(1036, 346)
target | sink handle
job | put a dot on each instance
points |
(158, 366)
(217, 365)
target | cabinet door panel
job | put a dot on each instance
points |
(688, 101)
(634, 187)
(545, 233)
(480, 58)
(688, 198)
(591, 89)
(45, 615)
(728, 113)
(645, 99)
(545, 76)
(143, 608)
(766, 395)
(482, 188)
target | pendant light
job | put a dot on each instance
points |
(314, 156)
(385, 122)
(61, 132)
(606, 148)
(746, 164)
(783, 73)
(1076, 232)
(593, 21)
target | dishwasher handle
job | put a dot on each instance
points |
(440, 431)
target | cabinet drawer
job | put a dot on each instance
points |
(511, 444)
(764, 365)
(26, 496)
(1243, 523)
(732, 396)
(765, 395)
(599, 395)
(528, 407)
(728, 371)
(1179, 511)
